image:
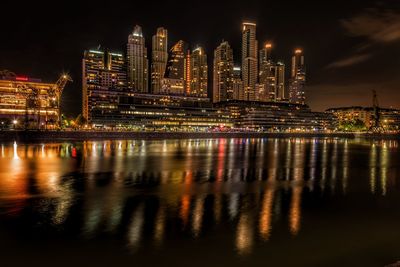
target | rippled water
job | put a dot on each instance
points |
(233, 202)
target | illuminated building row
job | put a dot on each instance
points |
(389, 118)
(276, 116)
(28, 103)
(158, 112)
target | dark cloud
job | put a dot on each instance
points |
(378, 26)
(381, 26)
(352, 60)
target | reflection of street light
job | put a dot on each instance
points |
(15, 122)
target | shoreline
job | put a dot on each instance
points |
(49, 136)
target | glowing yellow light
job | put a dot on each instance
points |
(298, 51)
(268, 45)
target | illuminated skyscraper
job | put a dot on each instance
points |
(297, 79)
(174, 79)
(271, 77)
(159, 59)
(102, 72)
(267, 82)
(188, 73)
(137, 61)
(223, 73)
(249, 60)
(198, 73)
(238, 89)
(265, 55)
(280, 81)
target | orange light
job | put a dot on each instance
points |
(298, 51)
(268, 45)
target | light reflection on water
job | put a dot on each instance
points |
(151, 190)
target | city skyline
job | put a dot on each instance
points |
(183, 71)
(355, 64)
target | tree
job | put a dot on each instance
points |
(80, 120)
(355, 125)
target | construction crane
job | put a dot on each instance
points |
(58, 90)
(376, 126)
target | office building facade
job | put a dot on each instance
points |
(159, 57)
(249, 60)
(137, 61)
(198, 73)
(297, 79)
(223, 76)
(102, 72)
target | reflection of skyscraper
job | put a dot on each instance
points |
(297, 79)
(244, 234)
(223, 73)
(135, 229)
(137, 61)
(198, 73)
(249, 60)
(174, 79)
(265, 220)
(159, 59)
(295, 210)
(197, 219)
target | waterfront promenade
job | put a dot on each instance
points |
(48, 136)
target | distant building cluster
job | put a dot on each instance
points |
(177, 78)
(346, 116)
(184, 72)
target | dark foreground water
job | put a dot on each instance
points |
(222, 202)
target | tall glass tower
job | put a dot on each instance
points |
(137, 61)
(249, 60)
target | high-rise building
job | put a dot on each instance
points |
(198, 73)
(223, 73)
(188, 73)
(249, 60)
(280, 81)
(271, 77)
(174, 79)
(137, 61)
(267, 82)
(265, 55)
(297, 79)
(102, 71)
(159, 59)
(238, 88)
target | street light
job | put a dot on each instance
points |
(15, 122)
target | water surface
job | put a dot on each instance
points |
(216, 202)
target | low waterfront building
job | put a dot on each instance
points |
(29, 103)
(276, 116)
(159, 112)
(389, 118)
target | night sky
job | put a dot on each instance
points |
(351, 47)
